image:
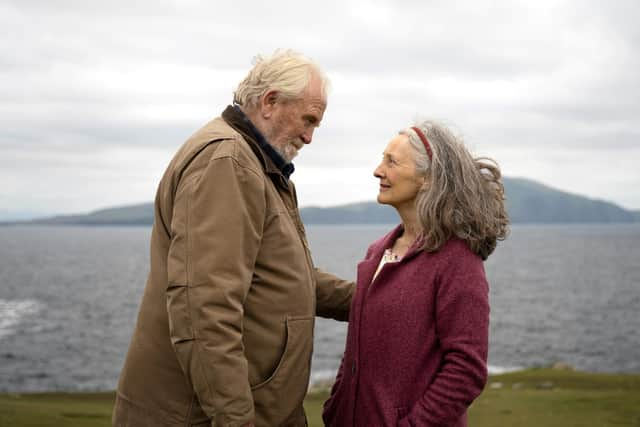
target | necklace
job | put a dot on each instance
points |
(389, 256)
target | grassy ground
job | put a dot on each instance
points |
(540, 397)
(56, 409)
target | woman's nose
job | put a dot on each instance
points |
(377, 172)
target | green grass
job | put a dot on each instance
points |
(56, 409)
(538, 397)
(551, 398)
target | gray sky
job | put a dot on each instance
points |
(96, 96)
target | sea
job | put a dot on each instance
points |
(69, 296)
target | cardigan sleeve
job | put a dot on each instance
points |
(462, 322)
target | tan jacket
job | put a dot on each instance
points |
(225, 329)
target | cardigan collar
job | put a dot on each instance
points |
(387, 242)
(367, 268)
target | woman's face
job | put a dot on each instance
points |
(399, 183)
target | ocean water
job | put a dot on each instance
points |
(69, 299)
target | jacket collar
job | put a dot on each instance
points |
(272, 162)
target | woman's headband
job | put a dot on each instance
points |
(424, 141)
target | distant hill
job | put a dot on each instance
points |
(527, 202)
(139, 214)
(354, 213)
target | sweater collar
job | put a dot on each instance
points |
(237, 119)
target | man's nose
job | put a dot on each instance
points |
(307, 136)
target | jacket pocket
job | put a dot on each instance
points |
(180, 328)
(278, 399)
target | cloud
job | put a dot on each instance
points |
(103, 93)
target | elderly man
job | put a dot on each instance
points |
(225, 329)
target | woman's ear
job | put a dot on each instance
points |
(424, 182)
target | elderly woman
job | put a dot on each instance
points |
(416, 351)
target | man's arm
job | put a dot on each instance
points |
(333, 296)
(216, 231)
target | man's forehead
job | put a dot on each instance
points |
(315, 105)
(315, 91)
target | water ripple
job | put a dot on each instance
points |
(12, 312)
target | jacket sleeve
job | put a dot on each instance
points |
(333, 296)
(462, 321)
(216, 229)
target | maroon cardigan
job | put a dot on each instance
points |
(416, 351)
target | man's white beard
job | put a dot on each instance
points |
(288, 152)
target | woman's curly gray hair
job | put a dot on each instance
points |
(463, 196)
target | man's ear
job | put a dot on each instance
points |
(268, 103)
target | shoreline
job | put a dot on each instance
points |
(326, 376)
(321, 380)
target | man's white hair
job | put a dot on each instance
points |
(286, 71)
